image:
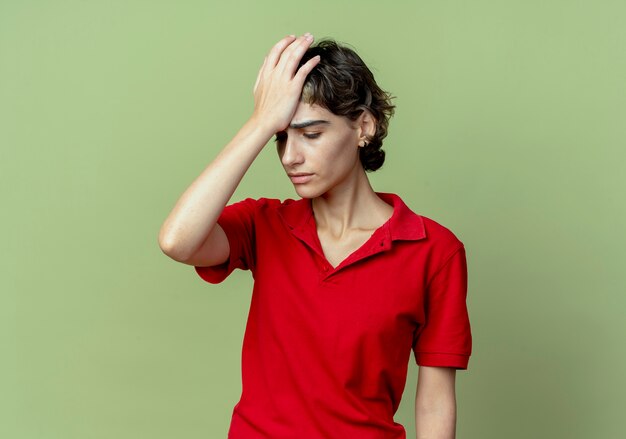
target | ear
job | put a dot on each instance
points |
(367, 127)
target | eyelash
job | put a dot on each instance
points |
(308, 136)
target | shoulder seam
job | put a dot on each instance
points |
(445, 262)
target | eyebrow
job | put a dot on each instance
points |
(308, 123)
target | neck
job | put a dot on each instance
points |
(350, 207)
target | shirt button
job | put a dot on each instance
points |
(325, 268)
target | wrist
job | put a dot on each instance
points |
(261, 125)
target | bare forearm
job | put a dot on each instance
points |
(437, 422)
(199, 207)
(435, 403)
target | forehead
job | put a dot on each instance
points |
(306, 112)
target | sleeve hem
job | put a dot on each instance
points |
(213, 274)
(457, 361)
(216, 274)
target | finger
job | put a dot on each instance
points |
(306, 68)
(292, 55)
(278, 49)
(258, 76)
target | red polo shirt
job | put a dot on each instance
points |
(325, 350)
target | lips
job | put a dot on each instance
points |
(300, 177)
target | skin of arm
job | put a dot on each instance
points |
(435, 403)
(190, 233)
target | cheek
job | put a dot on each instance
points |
(348, 150)
(346, 146)
(341, 162)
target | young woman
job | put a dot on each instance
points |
(347, 281)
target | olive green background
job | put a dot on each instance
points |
(510, 130)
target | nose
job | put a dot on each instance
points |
(290, 153)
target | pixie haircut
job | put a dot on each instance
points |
(345, 86)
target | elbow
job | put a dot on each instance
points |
(172, 247)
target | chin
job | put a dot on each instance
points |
(305, 192)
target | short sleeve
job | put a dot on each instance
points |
(445, 339)
(237, 220)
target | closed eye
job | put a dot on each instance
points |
(312, 135)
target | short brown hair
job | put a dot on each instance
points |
(345, 86)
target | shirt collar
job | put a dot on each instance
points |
(404, 224)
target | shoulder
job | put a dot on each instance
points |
(443, 246)
(261, 203)
(268, 209)
(433, 241)
(408, 222)
(440, 235)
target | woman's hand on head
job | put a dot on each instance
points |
(279, 83)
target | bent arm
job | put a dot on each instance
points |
(190, 233)
(435, 403)
(192, 222)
